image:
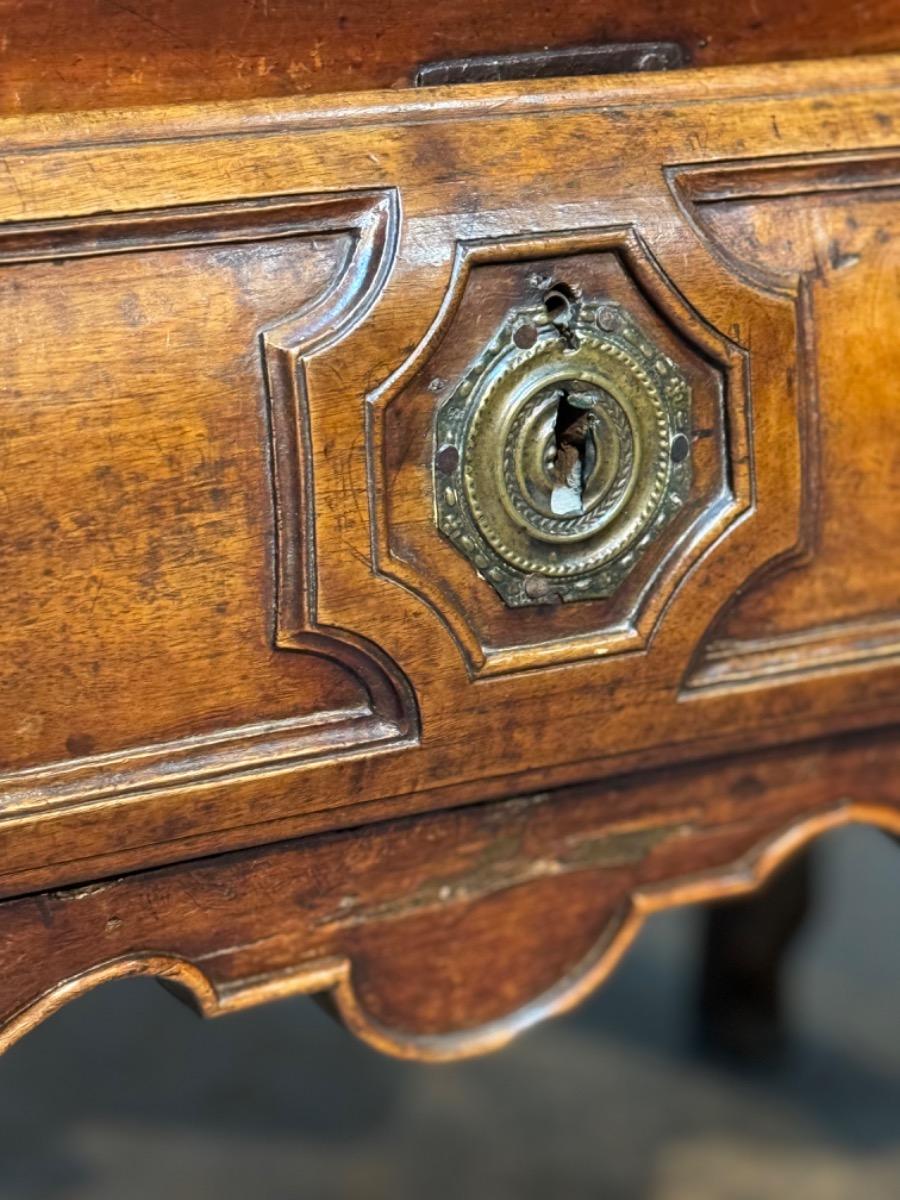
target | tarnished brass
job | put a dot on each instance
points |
(562, 452)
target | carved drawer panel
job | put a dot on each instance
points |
(340, 453)
(368, 457)
(558, 586)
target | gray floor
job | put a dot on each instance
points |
(126, 1096)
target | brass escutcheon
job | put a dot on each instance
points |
(563, 451)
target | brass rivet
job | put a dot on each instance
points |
(525, 336)
(538, 588)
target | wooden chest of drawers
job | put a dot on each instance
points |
(439, 526)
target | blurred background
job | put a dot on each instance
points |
(125, 1095)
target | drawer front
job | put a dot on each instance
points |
(367, 457)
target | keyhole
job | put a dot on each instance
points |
(562, 308)
(574, 459)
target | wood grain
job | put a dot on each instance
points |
(827, 227)
(160, 486)
(447, 935)
(106, 53)
(141, 621)
(263, 730)
(491, 279)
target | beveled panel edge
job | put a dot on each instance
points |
(729, 664)
(727, 357)
(388, 717)
(844, 646)
(782, 176)
(238, 823)
(286, 347)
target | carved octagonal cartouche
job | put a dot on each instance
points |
(562, 452)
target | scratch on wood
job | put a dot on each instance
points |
(504, 864)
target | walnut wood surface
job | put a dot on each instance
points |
(106, 53)
(229, 618)
(446, 935)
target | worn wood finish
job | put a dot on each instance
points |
(204, 489)
(446, 935)
(104, 53)
(229, 617)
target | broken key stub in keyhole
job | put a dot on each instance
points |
(574, 452)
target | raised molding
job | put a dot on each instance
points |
(846, 645)
(633, 630)
(723, 662)
(373, 218)
(387, 714)
(514, 166)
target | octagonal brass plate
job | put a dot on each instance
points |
(562, 452)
